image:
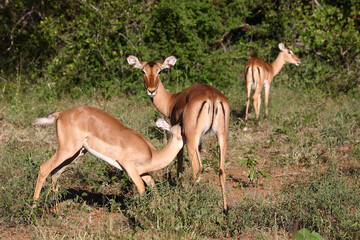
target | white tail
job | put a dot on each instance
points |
(49, 119)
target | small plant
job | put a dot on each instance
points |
(251, 163)
(304, 234)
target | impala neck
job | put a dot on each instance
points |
(162, 158)
(162, 100)
(278, 63)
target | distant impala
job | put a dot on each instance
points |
(89, 129)
(200, 109)
(259, 74)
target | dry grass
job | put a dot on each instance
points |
(305, 136)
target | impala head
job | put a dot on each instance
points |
(151, 71)
(175, 130)
(289, 55)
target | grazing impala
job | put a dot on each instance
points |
(200, 109)
(259, 74)
(89, 129)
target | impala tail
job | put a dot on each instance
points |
(212, 111)
(250, 76)
(49, 119)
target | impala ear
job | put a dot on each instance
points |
(134, 61)
(281, 46)
(169, 62)
(162, 124)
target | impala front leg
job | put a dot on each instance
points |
(135, 177)
(148, 180)
(180, 167)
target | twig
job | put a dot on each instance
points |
(127, 40)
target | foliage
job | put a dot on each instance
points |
(61, 48)
(304, 234)
(54, 51)
(251, 163)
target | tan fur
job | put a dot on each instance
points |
(258, 72)
(200, 108)
(90, 129)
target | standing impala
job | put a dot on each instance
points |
(89, 129)
(200, 109)
(259, 74)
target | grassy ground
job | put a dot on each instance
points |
(298, 169)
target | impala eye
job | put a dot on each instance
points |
(143, 71)
(289, 52)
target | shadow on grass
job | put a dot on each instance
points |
(95, 199)
(239, 114)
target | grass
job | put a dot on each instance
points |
(310, 146)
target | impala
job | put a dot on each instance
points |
(89, 129)
(200, 109)
(259, 74)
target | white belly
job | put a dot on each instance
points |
(107, 159)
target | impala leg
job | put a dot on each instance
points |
(222, 120)
(267, 90)
(180, 168)
(255, 101)
(148, 180)
(222, 176)
(134, 175)
(259, 104)
(194, 155)
(248, 82)
(49, 166)
(55, 174)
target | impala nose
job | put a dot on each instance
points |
(151, 93)
(298, 63)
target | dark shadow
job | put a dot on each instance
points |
(240, 114)
(94, 199)
(101, 200)
(241, 182)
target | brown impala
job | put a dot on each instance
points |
(89, 129)
(259, 74)
(200, 109)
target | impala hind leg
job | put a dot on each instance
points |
(267, 90)
(222, 131)
(51, 165)
(55, 174)
(257, 103)
(194, 155)
(248, 93)
(222, 138)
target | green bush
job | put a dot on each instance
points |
(78, 48)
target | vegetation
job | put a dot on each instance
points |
(296, 175)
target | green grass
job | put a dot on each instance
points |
(309, 145)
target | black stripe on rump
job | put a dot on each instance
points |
(259, 73)
(201, 108)
(223, 109)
